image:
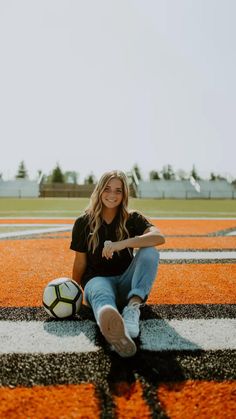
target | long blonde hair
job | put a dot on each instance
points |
(94, 210)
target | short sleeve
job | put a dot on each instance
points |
(79, 241)
(137, 224)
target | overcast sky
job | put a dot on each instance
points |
(101, 84)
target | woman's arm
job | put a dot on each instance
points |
(79, 266)
(151, 237)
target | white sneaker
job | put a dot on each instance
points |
(113, 329)
(131, 314)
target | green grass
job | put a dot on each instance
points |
(72, 207)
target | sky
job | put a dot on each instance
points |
(96, 85)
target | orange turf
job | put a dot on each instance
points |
(167, 226)
(130, 403)
(216, 243)
(28, 265)
(188, 400)
(194, 284)
(49, 402)
(199, 399)
(189, 227)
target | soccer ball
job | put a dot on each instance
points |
(62, 298)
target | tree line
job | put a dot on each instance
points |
(167, 173)
(56, 175)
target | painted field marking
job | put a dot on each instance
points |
(156, 335)
(51, 218)
(188, 334)
(66, 227)
(33, 225)
(165, 255)
(47, 337)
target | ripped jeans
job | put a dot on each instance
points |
(137, 280)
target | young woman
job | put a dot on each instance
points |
(115, 282)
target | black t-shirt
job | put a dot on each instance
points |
(96, 264)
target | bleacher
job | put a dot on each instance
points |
(184, 189)
(19, 188)
(216, 189)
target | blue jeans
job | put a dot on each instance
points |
(116, 290)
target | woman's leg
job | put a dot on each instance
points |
(135, 285)
(139, 277)
(100, 291)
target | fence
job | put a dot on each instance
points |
(65, 190)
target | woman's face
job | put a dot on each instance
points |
(113, 194)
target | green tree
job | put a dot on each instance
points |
(90, 179)
(57, 175)
(168, 173)
(71, 177)
(194, 173)
(154, 175)
(22, 172)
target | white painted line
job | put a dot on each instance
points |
(34, 225)
(33, 231)
(79, 336)
(47, 337)
(19, 217)
(197, 255)
(186, 334)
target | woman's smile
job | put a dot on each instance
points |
(113, 193)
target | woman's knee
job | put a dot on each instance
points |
(99, 288)
(148, 254)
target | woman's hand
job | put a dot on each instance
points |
(111, 247)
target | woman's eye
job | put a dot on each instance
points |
(118, 191)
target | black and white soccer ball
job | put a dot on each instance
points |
(62, 298)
